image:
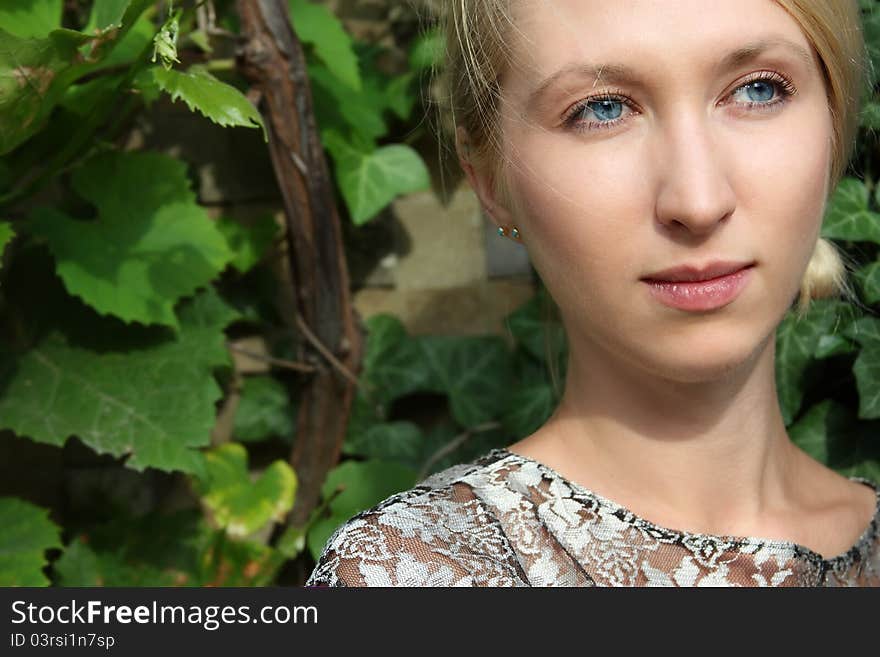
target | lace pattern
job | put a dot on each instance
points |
(506, 520)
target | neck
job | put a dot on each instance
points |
(711, 454)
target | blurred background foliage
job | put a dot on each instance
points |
(123, 460)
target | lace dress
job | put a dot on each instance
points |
(507, 520)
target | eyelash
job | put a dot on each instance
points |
(783, 84)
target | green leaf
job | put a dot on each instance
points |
(6, 235)
(237, 504)
(867, 371)
(362, 484)
(338, 107)
(27, 534)
(848, 216)
(33, 74)
(392, 362)
(428, 49)
(529, 407)
(158, 549)
(106, 14)
(150, 245)
(400, 98)
(868, 278)
(398, 442)
(264, 411)
(153, 401)
(318, 26)
(829, 433)
(30, 18)
(539, 334)
(249, 241)
(370, 181)
(870, 116)
(796, 344)
(222, 103)
(474, 371)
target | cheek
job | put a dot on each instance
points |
(784, 194)
(578, 201)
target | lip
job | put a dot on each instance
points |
(700, 295)
(692, 273)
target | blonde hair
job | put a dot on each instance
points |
(477, 54)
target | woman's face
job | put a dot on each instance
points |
(665, 166)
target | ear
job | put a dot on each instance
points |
(480, 181)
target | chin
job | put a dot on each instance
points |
(711, 356)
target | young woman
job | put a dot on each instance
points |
(637, 148)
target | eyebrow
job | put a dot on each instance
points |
(623, 74)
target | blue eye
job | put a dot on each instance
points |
(763, 91)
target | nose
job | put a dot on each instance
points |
(695, 193)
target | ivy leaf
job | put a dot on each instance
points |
(318, 26)
(30, 18)
(427, 50)
(869, 280)
(370, 181)
(6, 235)
(829, 433)
(360, 485)
(393, 364)
(27, 534)
(237, 504)
(539, 335)
(264, 411)
(867, 371)
(399, 442)
(249, 241)
(474, 371)
(870, 116)
(154, 402)
(399, 97)
(338, 107)
(150, 245)
(848, 216)
(222, 103)
(797, 342)
(529, 407)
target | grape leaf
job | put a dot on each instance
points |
(27, 534)
(317, 25)
(30, 18)
(370, 181)
(150, 245)
(106, 14)
(237, 504)
(201, 91)
(33, 74)
(154, 402)
(162, 549)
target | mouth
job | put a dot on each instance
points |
(701, 295)
(697, 274)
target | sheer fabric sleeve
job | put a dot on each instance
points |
(433, 538)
